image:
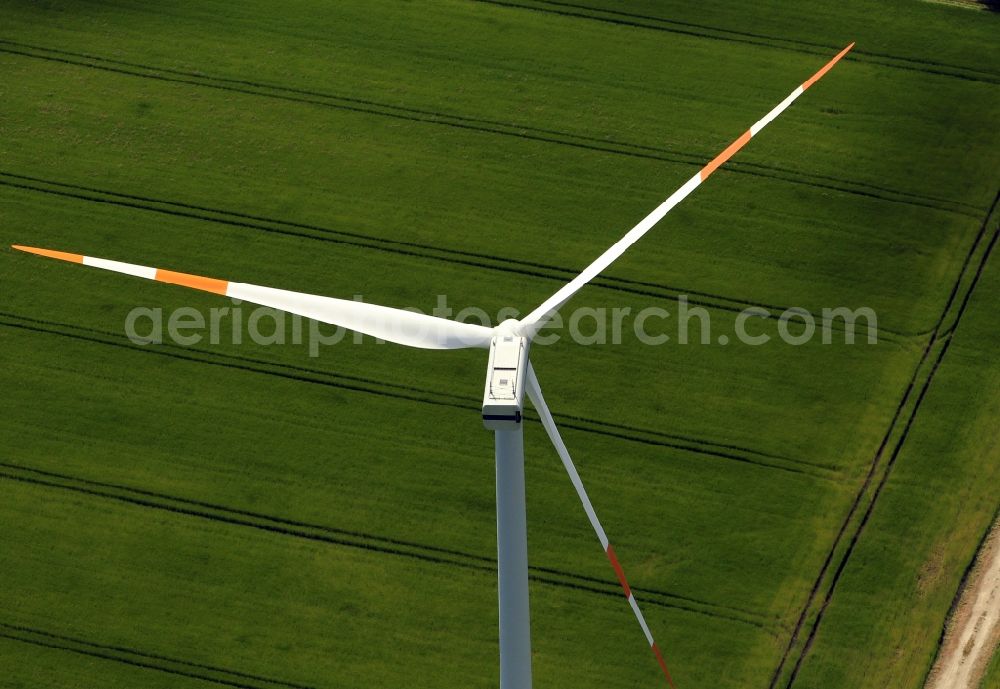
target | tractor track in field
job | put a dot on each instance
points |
(532, 269)
(947, 339)
(482, 125)
(145, 665)
(434, 555)
(692, 444)
(455, 257)
(653, 23)
(944, 336)
(143, 659)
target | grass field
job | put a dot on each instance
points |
(249, 516)
(992, 673)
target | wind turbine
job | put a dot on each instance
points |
(509, 376)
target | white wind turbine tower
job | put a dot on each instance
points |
(509, 376)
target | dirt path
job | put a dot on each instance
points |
(974, 629)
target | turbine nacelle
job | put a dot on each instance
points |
(506, 375)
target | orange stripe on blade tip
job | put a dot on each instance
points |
(826, 68)
(725, 155)
(194, 281)
(49, 253)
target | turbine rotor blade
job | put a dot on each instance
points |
(533, 322)
(534, 391)
(394, 325)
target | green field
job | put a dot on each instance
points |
(250, 516)
(993, 673)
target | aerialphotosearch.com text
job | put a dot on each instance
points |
(683, 323)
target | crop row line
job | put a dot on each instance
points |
(482, 125)
(531, 269)
(692, 444)
(937, 336)
(284, 527)
(640, 21)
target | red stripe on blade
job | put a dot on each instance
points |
(663, 664)
(618, 570)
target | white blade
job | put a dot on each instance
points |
(535, 394)
(533, 322)
(394, 325)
